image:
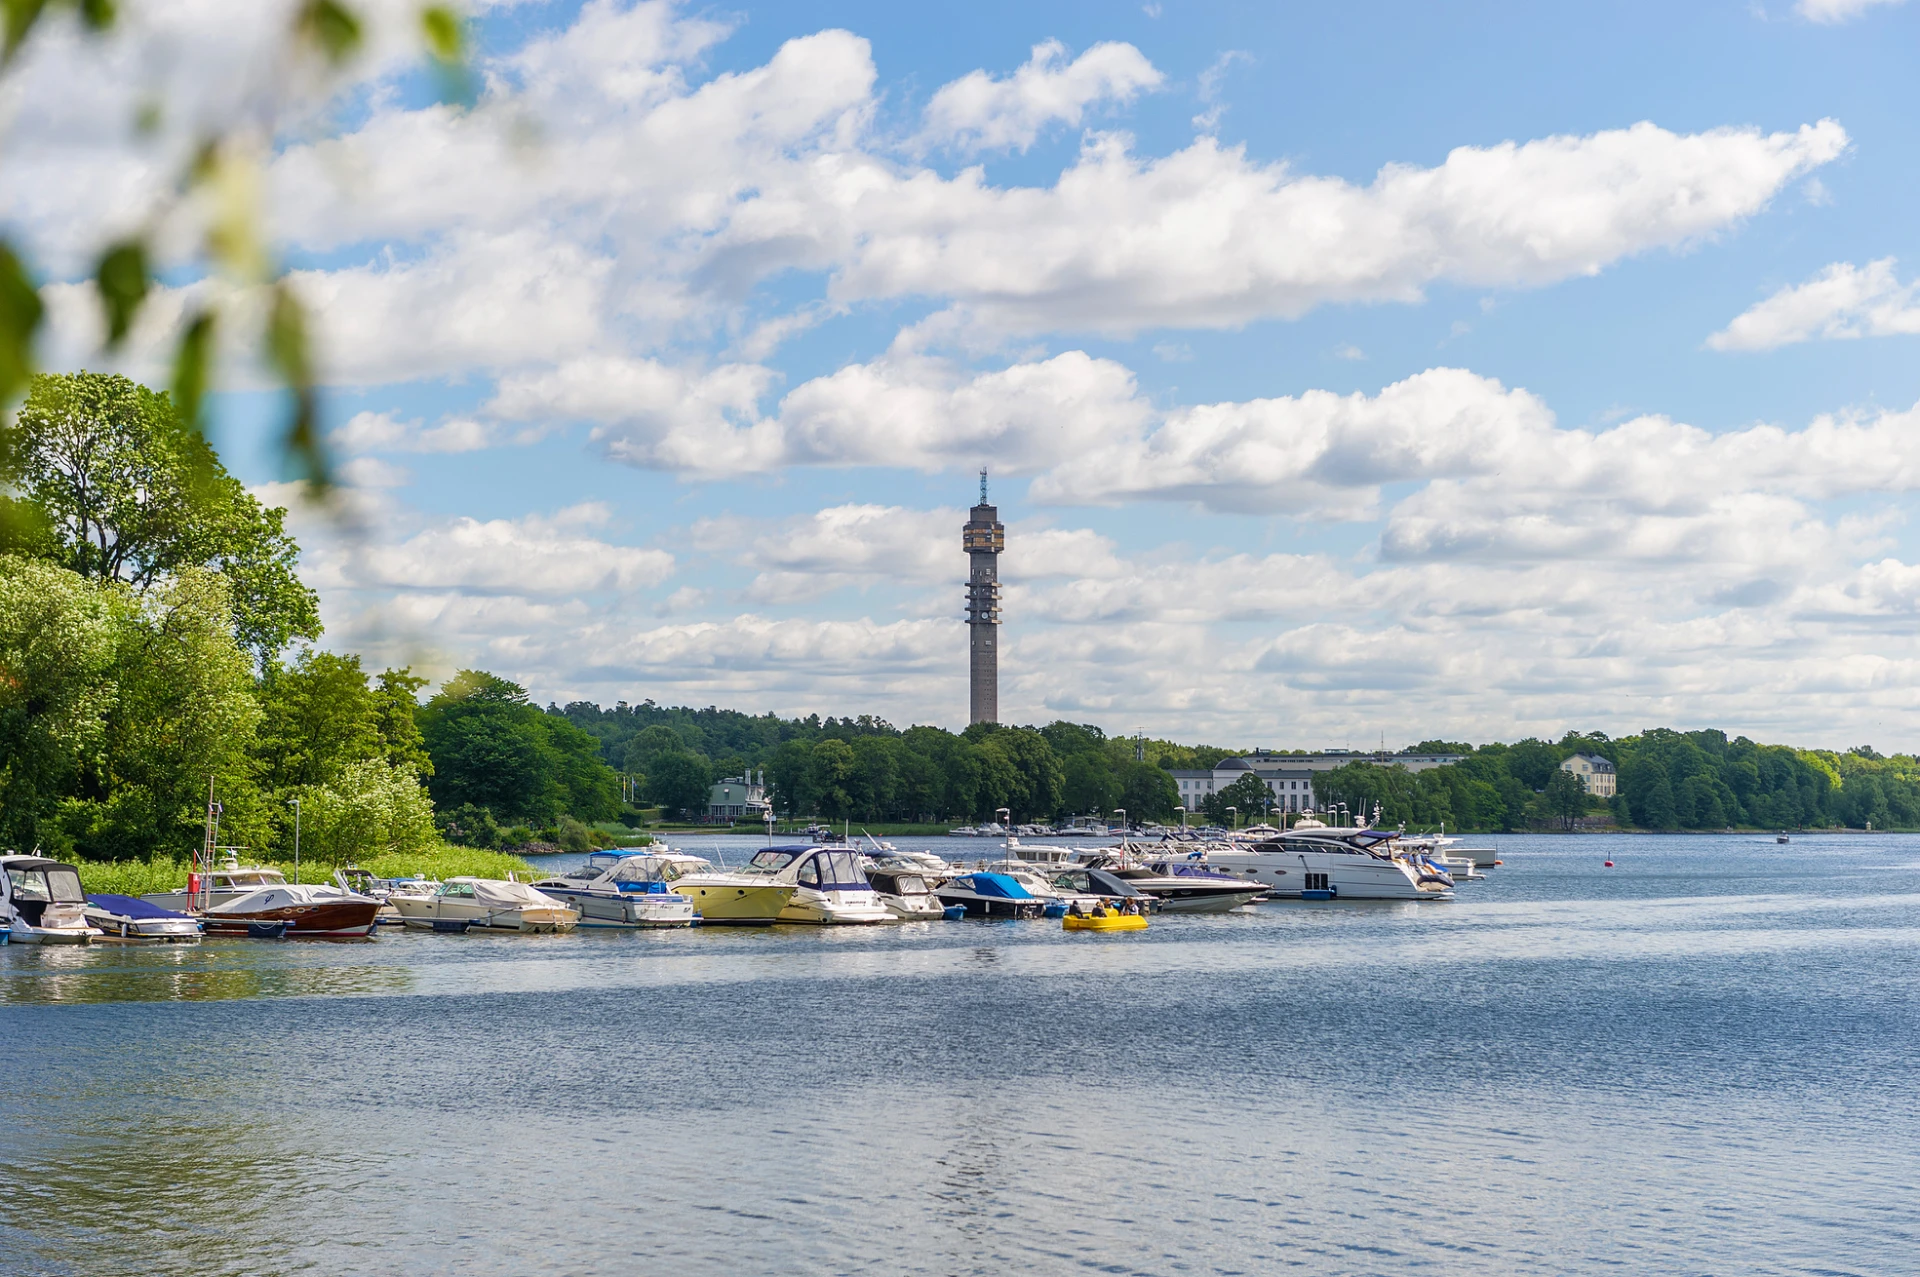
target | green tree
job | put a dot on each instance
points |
(59, 634)
(830, 777)
(185, 717)
(649, 744)
(680, 781)
(124, 489)
(1249, 795)
(367, 808)
(1147, 791)
(491, 748)
(397, 719)
(317, 715)
(1565, 798)
(1089, 785)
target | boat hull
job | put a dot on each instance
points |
(633, 911)
(27, 933)
(321, 920)
(835, 908)
(996, 907)
(1187, 900)
(730, 905)
(1289, 875)
(437, 914)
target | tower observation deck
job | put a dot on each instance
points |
(983, 539)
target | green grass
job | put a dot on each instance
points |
(144, 877)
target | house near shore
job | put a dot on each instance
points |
(1596, 774)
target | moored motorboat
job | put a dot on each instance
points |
(1327, 863)
(296, 910)
(728, 898)
(627, 888)
(905, 893)
(217, 887)
(829, 885)
(990, 895)
(1184, 886)
(41, 902)
(486, 904)
(132, 919)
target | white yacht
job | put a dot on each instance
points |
(41, 902)
(1184, 886)
(829, 885)
(1323, 863)
(628, 888)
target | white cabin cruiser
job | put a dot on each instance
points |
(41, 902)
(1324, 863)
(829, 885)
(627, 888)
(486, 904)
(905, 893)
(1184, 886)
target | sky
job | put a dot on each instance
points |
(1346, 374)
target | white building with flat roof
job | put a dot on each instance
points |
(1289, 777)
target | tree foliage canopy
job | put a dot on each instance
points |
(114, 485)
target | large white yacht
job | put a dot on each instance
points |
(1319, 862)
(829, 884)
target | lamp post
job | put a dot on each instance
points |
(296, 839)
(1234, 820)
(1122, 813)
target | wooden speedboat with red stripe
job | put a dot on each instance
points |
(306, 911)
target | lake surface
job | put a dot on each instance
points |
(1700, 1061)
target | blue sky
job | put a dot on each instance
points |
(1470, 371)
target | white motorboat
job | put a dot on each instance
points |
(132, 919)
(992, 895)
(486, 904)
(41, 902)
(1323, 863)
(829, 885)
(905, 893)
(921, 862)
(1186, 886)
(218, 887)
(725, 897)
(363, 882)
(629, 888)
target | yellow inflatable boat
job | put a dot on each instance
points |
(1104, 922)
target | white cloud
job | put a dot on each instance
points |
(1842, 301)
(903, 409)
(978, 112)
(1206, 237)
(1836, 11)
(369, 431)
(533, 555)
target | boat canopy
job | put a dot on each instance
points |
(129, 906)
(834, 871)
(999, 886)
(504, 895)
(48, 881)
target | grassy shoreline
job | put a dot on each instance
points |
(144, 877)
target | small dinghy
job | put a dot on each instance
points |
(1104, 919)
(132, 919)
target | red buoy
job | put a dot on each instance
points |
(1609, 864)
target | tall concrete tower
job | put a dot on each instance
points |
(983, 539)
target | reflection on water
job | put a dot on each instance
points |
(1699, 1061)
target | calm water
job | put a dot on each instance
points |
(1701, 1061)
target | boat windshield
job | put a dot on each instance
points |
(910, 885)
(457, 890)
(839, 871)
(769, 861)
(47, 886)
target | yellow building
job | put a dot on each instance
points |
(1595, 773)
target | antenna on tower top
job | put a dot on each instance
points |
(983, 485)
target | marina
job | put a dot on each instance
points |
(1713, 1031)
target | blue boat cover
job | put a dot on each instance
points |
(130, 906)
(998, 885)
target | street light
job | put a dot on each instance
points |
(1236, 818)
(296, 839)
(1122, 813)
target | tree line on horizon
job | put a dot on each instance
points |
(156, 640)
